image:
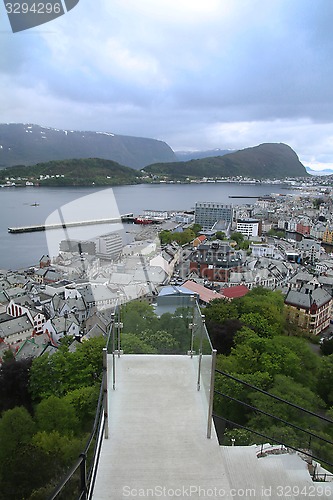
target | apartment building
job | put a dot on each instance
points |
(208, 213)
(310, 306)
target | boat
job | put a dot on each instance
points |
(34, 204)
(142, 220)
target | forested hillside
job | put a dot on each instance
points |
(74, 172)
(268, 161)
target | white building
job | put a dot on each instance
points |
(265, 250)
(59, 327)
(109, 246)
(249, 227)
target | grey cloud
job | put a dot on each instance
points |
(177, 79)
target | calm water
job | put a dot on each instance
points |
(70, 204)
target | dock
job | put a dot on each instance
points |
(46, 227)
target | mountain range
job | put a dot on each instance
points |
(22, 144)
(326, 171)
(27, 145)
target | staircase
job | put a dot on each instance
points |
(157, 445)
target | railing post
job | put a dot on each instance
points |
(191, 328)
(199, 371)
(83, 476)
(191, 325)
(211, 395)
(113, 358)
(105, 391)
(202, 329)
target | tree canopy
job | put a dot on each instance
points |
(255, 344)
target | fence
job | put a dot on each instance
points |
(80, 480)
(308, 443)
(202, 345)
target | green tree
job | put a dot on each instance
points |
(259, 324)
(165, 237)
(219, 310)
(57, 413)
(160, 340)
(42, 381)
(286, 388)
(220, 235)
(177, 325)
(84, 401)
(16, 428)
(65, 371)
(196, 228)
(133, 344)
(222, 335)
(317, 202)
(8, 356)
(62, 449)
(327, 347)
(238, 237)
(325, 379)
(14, 384)
(224, 405)
(19, 459)
(137, 316)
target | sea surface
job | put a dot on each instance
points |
(36, 205)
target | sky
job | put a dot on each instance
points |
(198, 75)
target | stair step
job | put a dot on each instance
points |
(243, 472)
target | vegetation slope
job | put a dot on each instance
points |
(269, 161)
(74, 172)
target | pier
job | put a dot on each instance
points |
(46, 227)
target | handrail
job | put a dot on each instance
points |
(88, 478)
(273, 416)
(318, 475)
(270, 438)
(81, 462)
(199, 331)
(275, 397)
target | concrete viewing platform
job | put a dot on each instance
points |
(158, 446)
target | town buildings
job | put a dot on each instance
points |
(66, 296)
(216, 260)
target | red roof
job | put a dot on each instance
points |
(234, 292)
(204, 293)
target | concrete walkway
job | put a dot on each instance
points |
(157, 446)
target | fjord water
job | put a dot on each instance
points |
(32, 205)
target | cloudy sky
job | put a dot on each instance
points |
(198, 74)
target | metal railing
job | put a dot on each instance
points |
(81, 477)
(305, 435)
(201, 344)
(80, 480)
